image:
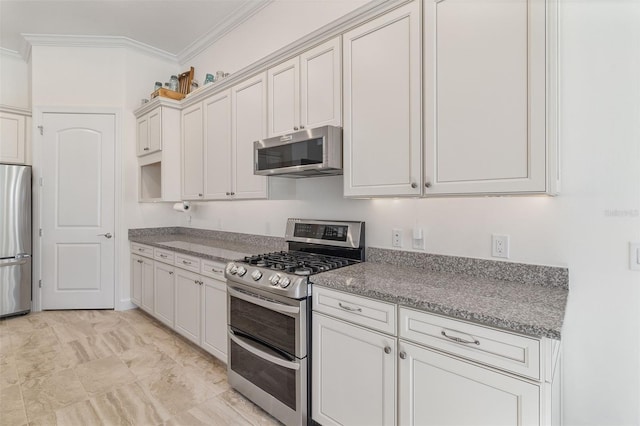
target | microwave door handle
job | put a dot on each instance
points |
(278, 307)
(244, 344)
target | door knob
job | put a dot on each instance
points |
(107, 235)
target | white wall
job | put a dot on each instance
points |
(14, 80)
(80, 78)
(587, 228)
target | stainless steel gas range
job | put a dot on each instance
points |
(269, 314)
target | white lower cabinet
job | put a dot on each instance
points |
(353, 374)
(183, 292)
(188, 294)
(214, 317)
(447, 372)
(436, 389)
(164, 291)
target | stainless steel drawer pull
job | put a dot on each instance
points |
(219, 271)
(349, 308)
(186, 262)
(459, 340)
(164, 256)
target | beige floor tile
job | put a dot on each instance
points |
(5, 342)
(41, 362)
(153, 331)
(214, 411)
(48, 393)
(247, 409)
(134, 316)
(129, 404)
(147, 360)
(103, 375)
(177, 348)
(109, 323)
(93, 315)
(8, 371)
(123, 339)
(47, 419)
(179, 390)
(12, 410)
(87, 349)
(79, 414)
(33, 341)
(73, 331)
(26, 323)
(60, 317)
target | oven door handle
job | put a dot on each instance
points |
(245, 344)
(278, 307)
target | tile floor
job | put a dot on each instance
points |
(111, 368)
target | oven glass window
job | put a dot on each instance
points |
(278, 381)
(271, 327)
(291, 154)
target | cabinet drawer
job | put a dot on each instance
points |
(142, 250)
(213, 269)
(356, 309)
(187, 262)
(162, 255)
(511, 352)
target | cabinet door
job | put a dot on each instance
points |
(164, 293)
(214, 318)
(142, 146)
(284, 97)
(155, 130)
(353, 376)
(249, 118)
(436, 389)
(192, 149)
(136, 279)
(12, 138)
(148, 285)
(321, 85)
(485, 96)
(217, 146)
(382, 112)
(188, 293)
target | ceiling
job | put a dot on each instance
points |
(172, 26)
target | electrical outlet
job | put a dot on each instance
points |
(500, 246)
(396, 237)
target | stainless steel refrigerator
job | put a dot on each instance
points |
(15, 239)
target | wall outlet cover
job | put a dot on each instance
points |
(500, 246)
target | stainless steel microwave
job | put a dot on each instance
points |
(313, 152)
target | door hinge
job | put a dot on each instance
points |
(40, 232)
(41, 129)
(39, 283)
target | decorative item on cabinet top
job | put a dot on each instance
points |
(183, 89)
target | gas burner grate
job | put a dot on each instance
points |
(297, 262)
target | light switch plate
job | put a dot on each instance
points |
(634, 256)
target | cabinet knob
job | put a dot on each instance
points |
(146, 149)
(232, 193)
(414, 185)
(227, 193)
(403, 355)
(301, 127)
(170, 272)
(387, 350)
(199, 195)
(427, 184)
(295, 128)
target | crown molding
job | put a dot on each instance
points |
(90, 41)
(240, 15)
(10, 53)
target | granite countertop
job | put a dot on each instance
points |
(207, 244)
(523, 298)
(530, 309)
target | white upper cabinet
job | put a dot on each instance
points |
(217, 146)
(382, 112)
(249, 124)
(489, 96)
(192, 148)
(14, 143)
(150, 132)
(305, 92)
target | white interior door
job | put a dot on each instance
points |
(77, 214)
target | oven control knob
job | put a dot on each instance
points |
(256, 275)
(232, 269)
(284, 282)
(241, 271)
(274, 279)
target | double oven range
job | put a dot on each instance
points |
(269, 314)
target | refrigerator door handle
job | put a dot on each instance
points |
(23, 256)
(13, 261)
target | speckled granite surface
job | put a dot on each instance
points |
(528, 299)
(525, 308)
(549, 276)
(212, 245)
